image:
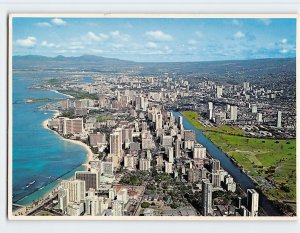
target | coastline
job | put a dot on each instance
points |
(57, 92)
(90, 154)
(86, 165)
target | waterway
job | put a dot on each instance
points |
(239, 176)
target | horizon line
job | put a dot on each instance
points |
(265, 58)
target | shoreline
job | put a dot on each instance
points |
(57, 92)
(90, 154)
(89, 157)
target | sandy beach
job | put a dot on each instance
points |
(90, 154)
(62, 93)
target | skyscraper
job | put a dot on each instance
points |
(259, 117)
(206, 198)
(210, 110)
(180, 124)
(219, 91)
(279, 119)
(75, 190)
(252, 202)
(246, 86)
(90, 178)
(215, 166)
(233, 113)
(254, 108)
(115, 144)
(158, 121)
(199, 152)
(177, 148)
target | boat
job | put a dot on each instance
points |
(31, 183)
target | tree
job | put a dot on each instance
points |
(145, 205)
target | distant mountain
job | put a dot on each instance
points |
(233, 70)
(36, 61)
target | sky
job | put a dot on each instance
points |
(156, 39)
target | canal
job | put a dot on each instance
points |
(239, 176)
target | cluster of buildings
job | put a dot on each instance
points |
(260, 110)
(130, 130)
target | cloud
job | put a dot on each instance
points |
(151, 45)
(163, 51)
(284, 51)
(91, 36)
(159, 36)
(117, 46)
(284, 40)
(265, 21)
(116, 35)
(27, 42)
(239, 35)
(43, 24)
(49, 45)
(76, 45)
(58, 22)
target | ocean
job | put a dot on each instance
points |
(40, 158)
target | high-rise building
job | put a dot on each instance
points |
(63, 199)
(158, 121)
(94, 205)
(254, 108)
(230, 184)
(246, 86)
(210, 110)
(90, 178)
(115, 144)
(215, 165)
(177, 148)
(233, 113)
(170, 151)
(166, 140)
(144, 164)
(97, 138)
(219, 91)
(215, 179)
(107, 168)
(252, 202)
(129, 162)
(206, 198)
(75, 190)
(117, 208)
(147, 144)
(259, 117)
(180, 122)
(127, 134)
(279, 119)
(199, 152)
(168, 167)
(72, 126)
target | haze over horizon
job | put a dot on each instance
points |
(156, 39)
(115, 58)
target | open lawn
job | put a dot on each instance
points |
(195, 119)
(274, 160)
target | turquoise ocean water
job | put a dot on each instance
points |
(40, 158)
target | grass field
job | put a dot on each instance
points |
(194, 117)
(274, 160)
(270, 159)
